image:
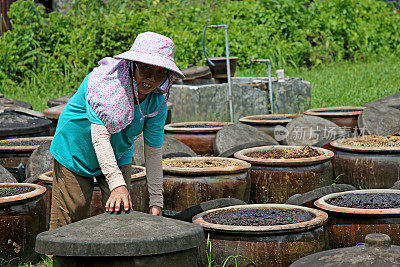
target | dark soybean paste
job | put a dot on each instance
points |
(273, 119)
(367, 201)
(25, 143)
(199, 126)
(14, 190)
(258, 217)
(136, 170)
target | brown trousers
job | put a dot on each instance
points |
(72, 194)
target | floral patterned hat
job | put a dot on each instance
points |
(154, 49)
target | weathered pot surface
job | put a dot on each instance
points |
(327, 155)
(234, 166)
(345, 111)
(322, 204)
(376, 251)
(179, 127)
(269, 119)
(319, 219)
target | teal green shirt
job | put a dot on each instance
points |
(72, 143)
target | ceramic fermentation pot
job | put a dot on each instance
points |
(198, 135)
(275, 180)
(349, 226)
(189, 181)
(22, 218)
(272, 245)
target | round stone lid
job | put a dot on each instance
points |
(235, 137)
(376, 251)
(14, 123)
(54, 112)
(7, 102)
(312, 131)
(133, 234)
(59, 100)
(383, 121)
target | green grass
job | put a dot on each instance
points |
(346, 83)
(337, 84)
(44, 262)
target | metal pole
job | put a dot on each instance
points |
(228, 71)
(271, 90)
(228, 65)
(271, 93)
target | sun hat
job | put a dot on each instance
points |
(154, 49)
(109, 86)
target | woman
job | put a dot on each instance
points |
(117, 101)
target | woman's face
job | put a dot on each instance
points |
(149, 77)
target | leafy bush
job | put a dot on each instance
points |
(48, 54)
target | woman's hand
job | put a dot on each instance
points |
(156, 210)
(118, 195)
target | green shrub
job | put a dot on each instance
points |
(48, 54)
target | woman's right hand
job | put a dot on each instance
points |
(118, 195)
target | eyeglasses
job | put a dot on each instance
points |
(149, 71)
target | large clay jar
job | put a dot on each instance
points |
(345, 117)
(139, 192)
(189, 181)
(268, 123)
(198, 135)
(46, 179)
(275, 180)
(366, 166)
(219, 69)
(16, 151)
(22, 218)
(272, 245)
(349, 226)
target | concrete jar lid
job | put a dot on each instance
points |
(133, 234)
(15, 121)
(376, 251)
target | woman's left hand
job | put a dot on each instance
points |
(156, 210)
